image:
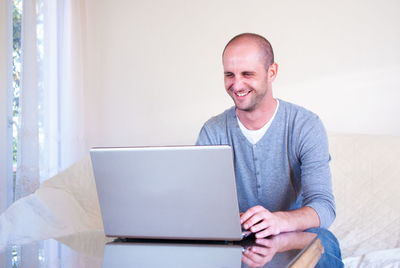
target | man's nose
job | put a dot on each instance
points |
(237, 84)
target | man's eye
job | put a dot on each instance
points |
(228, 74)
(247, 74)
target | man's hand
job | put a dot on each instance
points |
(261, 221)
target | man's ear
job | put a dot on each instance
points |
(272, 71)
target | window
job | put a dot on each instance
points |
(16, 82)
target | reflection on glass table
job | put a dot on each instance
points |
(277, 251)
(93, 249)
(171, 254)
(286, 249)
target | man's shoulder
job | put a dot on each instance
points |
(295, 112)
(215, 129)
(220, 120)
(300, 121)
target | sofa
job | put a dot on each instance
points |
(366, 181)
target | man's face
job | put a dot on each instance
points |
(246, 78)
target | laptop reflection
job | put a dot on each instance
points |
(157, 254)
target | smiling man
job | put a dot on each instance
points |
(280, 149)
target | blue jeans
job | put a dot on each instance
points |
(332, 256)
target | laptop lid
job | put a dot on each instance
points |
(184, 192)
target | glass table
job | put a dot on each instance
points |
(93, 249)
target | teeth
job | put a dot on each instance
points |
(241, 94)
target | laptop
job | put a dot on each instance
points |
(173, 192)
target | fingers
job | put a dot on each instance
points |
(258, 227)
(247, 260)
(253, 216)
(262, 251)
(250, 212)
(265, 233)
(257, 256)
(261, 221)
(267, 229)
(252, 259)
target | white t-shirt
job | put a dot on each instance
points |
(253, 136)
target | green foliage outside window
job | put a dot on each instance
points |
(17, 15)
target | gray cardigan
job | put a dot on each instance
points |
(286, 169)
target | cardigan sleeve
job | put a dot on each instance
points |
(316, 181)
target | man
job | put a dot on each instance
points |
(280, 149)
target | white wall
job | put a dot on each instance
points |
(155, 75)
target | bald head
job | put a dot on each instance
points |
(250, 38)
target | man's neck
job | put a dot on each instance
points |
(257, 118)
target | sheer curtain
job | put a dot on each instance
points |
(51, 130)
(51, 119)
(6, 183)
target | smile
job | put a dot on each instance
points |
(242, 94)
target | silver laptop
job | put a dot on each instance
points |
(184, 192)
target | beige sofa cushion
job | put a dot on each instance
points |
(65, 204)
(366, 180)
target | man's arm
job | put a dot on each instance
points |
(316, 181)
(264, 223)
